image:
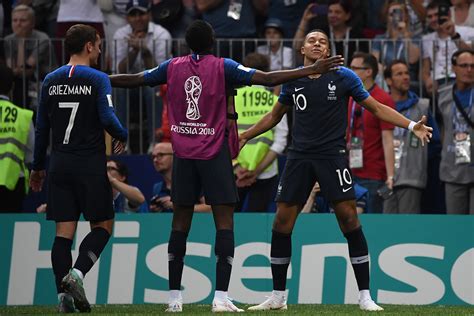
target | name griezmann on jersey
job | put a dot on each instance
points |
(64, 89)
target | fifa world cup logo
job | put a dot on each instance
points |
(193, 88)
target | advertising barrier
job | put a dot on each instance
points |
(415, 259)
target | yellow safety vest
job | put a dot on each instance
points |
(14, 128)
(252, 103)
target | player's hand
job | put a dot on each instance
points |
(36, 180)
(423, 132)
(118, 147)
(242, 141)
(324, 65)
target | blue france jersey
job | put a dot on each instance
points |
(320, 112)
(76, 104)
(235, 74)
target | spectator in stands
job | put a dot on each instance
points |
(257, 166)
(17, 143)
(411, 159)
(462, 12)
(456, 106)
(115, 17)
(46, 13)
(444, 41)
(397, 42)
(175, 16)
(162, 157)
(289, 13)
(369, 139)
(416, 15)
(140, 45)
(27, 53)
(281, 57)
(343, 37)
(78, 12)
(233, 21)
(127, 198)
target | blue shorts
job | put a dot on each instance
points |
(69, 195)
(298, 178)
(213, 178)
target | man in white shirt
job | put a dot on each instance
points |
(438, 47)
(140, 45)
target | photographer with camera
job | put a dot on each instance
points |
(162, 157)
(127, 198)
(397, 42)
(440, 45)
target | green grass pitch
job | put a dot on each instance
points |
(194, 309)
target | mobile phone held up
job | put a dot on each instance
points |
(443, 13)
(320, 9)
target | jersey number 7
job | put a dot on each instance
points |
(73, 106)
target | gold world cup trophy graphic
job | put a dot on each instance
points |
(193, 88)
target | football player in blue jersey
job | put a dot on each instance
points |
(76, 105)
(198, 92)
(318, 153)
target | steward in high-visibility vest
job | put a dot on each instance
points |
(251, 104)
(15, 124)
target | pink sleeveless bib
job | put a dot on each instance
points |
(197, 108)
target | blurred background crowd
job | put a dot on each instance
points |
(408, 54)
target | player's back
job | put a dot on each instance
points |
(71, 95)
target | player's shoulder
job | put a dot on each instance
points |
(57, 74)
(345, 72)
(89, 71)
(95, 76)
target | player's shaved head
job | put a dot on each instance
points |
(200, 36)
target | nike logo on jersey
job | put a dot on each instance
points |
(345, 190)
(298, 89)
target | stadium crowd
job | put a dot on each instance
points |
(414, 55)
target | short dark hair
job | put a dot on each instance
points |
(6, 83)
(387, 73)
(368, 60)
(200, 37)
(313, 31)
(257, 61)
(77, 36)
(456, 54)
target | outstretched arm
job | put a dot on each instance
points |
(387, 114)
(128, 80)
(278, 77)
(267, 122)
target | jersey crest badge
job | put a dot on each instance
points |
(332, 92)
